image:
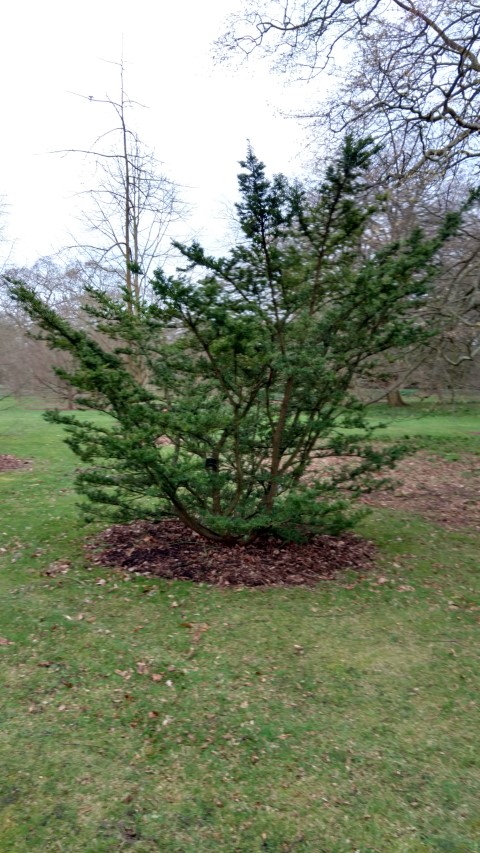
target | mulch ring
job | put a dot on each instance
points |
(445, 492)
(9, 463)
(442, 491)
(169, 550)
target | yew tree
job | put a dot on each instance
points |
(250, 361)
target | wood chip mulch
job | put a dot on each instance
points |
(169, 550)
(9, 463)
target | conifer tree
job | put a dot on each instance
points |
(250, 359)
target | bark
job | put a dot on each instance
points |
(394, 399)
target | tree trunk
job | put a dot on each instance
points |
(394, 399)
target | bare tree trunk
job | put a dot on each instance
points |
(394, 399)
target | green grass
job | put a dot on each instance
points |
(323, 720)
(437, 427)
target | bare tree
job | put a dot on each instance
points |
(4, 255)
(452, 310)
(413, 75)
(457, 305)
(27, 366)
(132, 206)
(3, 213)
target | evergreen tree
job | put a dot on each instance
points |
(250, 359)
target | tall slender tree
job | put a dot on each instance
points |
(131, 206)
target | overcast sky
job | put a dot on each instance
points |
(198, 119)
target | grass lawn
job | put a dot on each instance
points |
(144, 715)
(437, 427)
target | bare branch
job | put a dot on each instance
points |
(413, 68)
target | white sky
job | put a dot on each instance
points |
(198, 119)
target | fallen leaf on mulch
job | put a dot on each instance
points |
(5, 642)
(169, 550)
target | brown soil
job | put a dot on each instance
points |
(170, 550)
(9, 463)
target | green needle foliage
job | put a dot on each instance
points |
(245, 363)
